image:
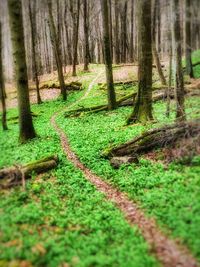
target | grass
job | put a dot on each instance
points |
(61, 218)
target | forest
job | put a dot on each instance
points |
(99, 133)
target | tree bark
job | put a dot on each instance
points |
(32, 17)
(132, 32)
(68, 41)
(107, 56)
(177, 55)
(75, 17)
(57, 51)
(86, 35)
(117, 50)
(17, 36)
(154, 50)
(143, 108)
(2, 86)
(15, 175)
(188, 41)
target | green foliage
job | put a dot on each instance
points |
(61, 217)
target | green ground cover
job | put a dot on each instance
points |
(171, 195)
(61, 218)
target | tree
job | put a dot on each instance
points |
(132, 32)
(17, 37)
(154, 50)
(124, 32)
(32, 17)
(177, 57)
(142, 111)
(107, 56)
(86, 35)
(57, 50)
(75, 10)
(2, 86)
(188, 41)
(116, 33)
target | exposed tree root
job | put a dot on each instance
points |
(16, 175)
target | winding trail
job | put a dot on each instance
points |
(168, 251)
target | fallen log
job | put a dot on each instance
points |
(129, 100)
(16, 175)
(77, 112)
(72, 86)
(193, 65)
(166, 136)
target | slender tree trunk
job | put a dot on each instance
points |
(68, 42)
(17, 36)
(110, 27)
(188, 41)
(154, 50)
(2, 86)
(107, 56)
(124, 32)
(86, 35)
(75, 17)
(57, 51)
(169, 82)
(32, 17)
(117, 44)
(143, 107)
(159, 26)
(132, 32)
(177, 55)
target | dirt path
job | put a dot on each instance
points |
(168, 252)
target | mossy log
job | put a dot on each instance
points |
(129, 100)
(15, 175)
(94, 109)
(167, 136)
(72, 86)
(102, 86)
(193, 65)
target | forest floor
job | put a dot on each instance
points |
(61, 219)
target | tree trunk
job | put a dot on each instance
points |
(170, 82)
(188, 41)
(143, 108)
(17, 36)
(110, 27)
(75, 17)
(107, 56)
(32, 17)
(86, 35)
(177, 55)
(57, 51)
(17, 175)
(132, 32)
(154, 50)
(68, 41)
(2, 86)
(124, 32)
(117, 51)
